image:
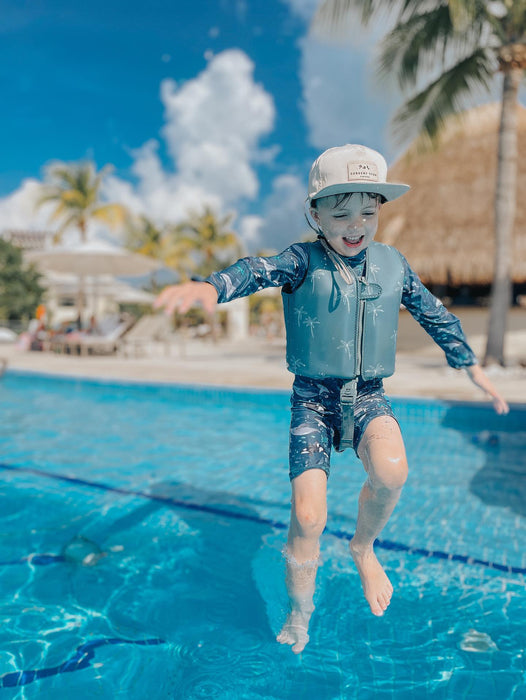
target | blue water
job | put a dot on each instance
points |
(140, 537)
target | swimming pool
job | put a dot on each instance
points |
(141, 529)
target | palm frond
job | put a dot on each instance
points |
(99, 177)
(70, 222)
(427, 40)
(331, 15)
(410, 8)
(49, 193)
(96, 182)
(203, 242)
(74, 189)
(518, 14)
(425, 113)
(409, 47)
(85, 176)
(73, 199)
(68, 175)
(61, 210)
(143, 232)
(182, 241)
(461, 13)
(112, 214)
(57, 170)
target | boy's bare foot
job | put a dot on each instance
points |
(295, 629)
(376, 586)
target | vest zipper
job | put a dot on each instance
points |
(360, 310)
(358, 320)
(359, 334)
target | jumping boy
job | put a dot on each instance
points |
(341, 297)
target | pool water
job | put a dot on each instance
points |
(140, 537)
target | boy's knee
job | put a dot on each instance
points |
(391, 475)
(310, 517)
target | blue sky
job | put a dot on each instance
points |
(226, 102)
(83, 78)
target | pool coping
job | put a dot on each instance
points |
(234, 389)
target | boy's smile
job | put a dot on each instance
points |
(350, 226)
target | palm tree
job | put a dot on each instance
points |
(462, 45)
(200, 245)
(203, 243)
(75, 191)
(146, 237)
(197, 246)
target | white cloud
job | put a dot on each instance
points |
(117, 190)
(18, 211)
(341, 100)
(304, 9)
(249, 231)
(213, 125)
(340, 91)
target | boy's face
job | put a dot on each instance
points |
(350, 226)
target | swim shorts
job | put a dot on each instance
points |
(316, 419)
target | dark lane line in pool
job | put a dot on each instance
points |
(82, 658)
(214, 510)
(36, 560)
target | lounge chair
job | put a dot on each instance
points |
(147, 334)
(81, 343)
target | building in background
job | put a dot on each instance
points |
(444, 224)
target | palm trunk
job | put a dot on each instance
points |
(505, 202)
(81, 299)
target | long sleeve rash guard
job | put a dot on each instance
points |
(288, 269)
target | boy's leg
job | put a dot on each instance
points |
(382, 452)
(307, 521)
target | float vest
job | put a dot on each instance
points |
(336, 329)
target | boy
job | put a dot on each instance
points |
(341, 297)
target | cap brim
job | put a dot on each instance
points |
(389, 190)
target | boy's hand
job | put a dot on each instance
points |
(478, 377)
(183, 296)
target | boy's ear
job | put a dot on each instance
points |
(315, 215)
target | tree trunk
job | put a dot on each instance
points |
(505, 202)
(83, 230)
(81, 301)
(81, 298)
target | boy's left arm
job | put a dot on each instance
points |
(446, 330)
(478, 377)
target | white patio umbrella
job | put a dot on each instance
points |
(126, 294)
(94, 259)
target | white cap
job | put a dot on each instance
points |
(352, 168)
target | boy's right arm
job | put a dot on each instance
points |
(244, 277)
(183, 296)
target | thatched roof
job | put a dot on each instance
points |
(444, 225)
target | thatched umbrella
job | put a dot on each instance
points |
(444, 225)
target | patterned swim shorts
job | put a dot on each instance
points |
(316, 419)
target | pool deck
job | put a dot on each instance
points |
(260, 363)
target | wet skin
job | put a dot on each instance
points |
(350, 226)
